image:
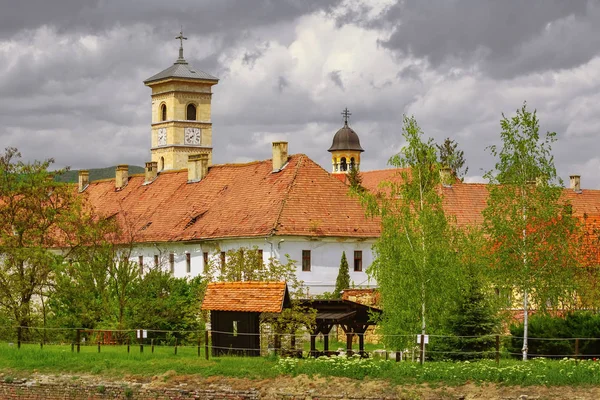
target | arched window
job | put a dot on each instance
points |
(352, 163)
(161, 164)
(343, 165)
(191, 112)
(163, 112)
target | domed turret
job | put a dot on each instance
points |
(345, 149)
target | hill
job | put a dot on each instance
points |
(96, 173)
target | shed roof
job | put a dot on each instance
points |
(246, 296)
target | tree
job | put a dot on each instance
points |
(37, 216)
(450, 156)
(415, 261)
(355, 180)
(532, 232)
(343, 279)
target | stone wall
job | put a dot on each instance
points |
(29, 391)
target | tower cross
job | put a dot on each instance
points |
(181, 39)
(346, 113)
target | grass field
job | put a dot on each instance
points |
(114, 361)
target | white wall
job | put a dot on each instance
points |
(325, 257)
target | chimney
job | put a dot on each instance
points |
(280, 155)
(446, 176)
(122, 176)
(151, 171)
(197, 167)
(84, 179)
(575, 182)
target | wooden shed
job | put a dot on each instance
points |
(235, 309)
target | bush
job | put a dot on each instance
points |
(565, 329)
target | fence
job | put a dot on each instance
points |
(439, 347)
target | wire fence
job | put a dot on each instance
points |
(215, 342)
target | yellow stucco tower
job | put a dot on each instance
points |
(181, 117)
(345, 149)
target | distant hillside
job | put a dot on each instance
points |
(96, 173)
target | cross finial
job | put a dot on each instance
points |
(346, 113)
(181, 39)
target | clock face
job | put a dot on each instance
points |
(192, 135)
(162, 136)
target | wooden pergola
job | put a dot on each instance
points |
(354, 318)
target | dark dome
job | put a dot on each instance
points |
(346, 139)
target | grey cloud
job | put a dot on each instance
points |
(336, 78)
(507, 37)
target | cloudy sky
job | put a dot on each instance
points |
(71, 75)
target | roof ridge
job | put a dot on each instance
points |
(287, 194)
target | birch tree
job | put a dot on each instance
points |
(531, 229)
(415, 261)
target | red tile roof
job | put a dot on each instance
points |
(234, 200)
(246, 296)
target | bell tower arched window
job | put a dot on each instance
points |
(352, 163)
(161, 164)
(191, 112)
(343, 165)
(163, 112)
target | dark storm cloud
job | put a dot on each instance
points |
(197, 16)
(507, 38)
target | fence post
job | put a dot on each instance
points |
(206, 344)
(175, 346)
(576, 349)
(422, 356)
(398, 355)
(78, 339)
(19, 335)
(152, 345)
(142, 342)
(128, 344)
(497, 349)
(199, 344)
(98, 346)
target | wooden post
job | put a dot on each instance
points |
(206, 344)
(98, 346)
(152, 345)
(78, 339)
(313, 345)
(576, 349)
(326, 344)
(128, 344)
(422, 356)
(497, 349)
(361, 344)
(175, 346)
(19, 336)
(349, 351)
(199, 344)
(141, 344)
(398, 356)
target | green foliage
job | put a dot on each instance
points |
(533, 233)
(355, 180)
(342, 281)
(72, 176)
(450, 156)
(581, 324)
(416, 264)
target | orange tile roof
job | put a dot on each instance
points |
(246, 296)
(234, 200)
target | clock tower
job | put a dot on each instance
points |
(181, 118)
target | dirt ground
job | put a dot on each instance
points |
(335, 388)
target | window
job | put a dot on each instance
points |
(305, 260)
(188, 262)
(163, 112)
(172, 263)
(191, 112)
(161, 164)
(205, 260)
(352, 163)
(141, 264)
(222, 260)
(343, 166)
(156, 261)
(357, 260)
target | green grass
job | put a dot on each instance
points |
(114, 361)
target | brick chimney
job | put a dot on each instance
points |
(280, 155)
(197, 167)
(122, 176)
(151, 171)
(446, 176)
(575, 181)
(84, 179)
